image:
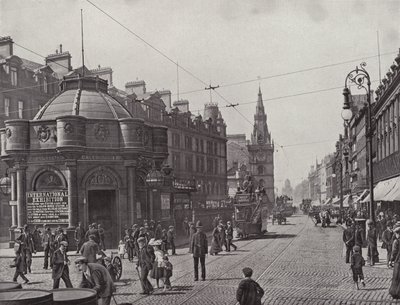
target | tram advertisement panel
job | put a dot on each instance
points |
(47, 207)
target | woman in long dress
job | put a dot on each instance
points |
(394, 289)
(216, 246)
(158, 271)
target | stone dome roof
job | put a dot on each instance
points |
(83, 96)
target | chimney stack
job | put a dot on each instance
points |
(6, 46)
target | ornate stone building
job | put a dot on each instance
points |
(83, 157)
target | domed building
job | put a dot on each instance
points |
(83, 158)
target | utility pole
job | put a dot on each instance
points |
(210, 88)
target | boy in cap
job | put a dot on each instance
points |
(60, 266)
(357, 263)
(249, 291)
(387, 241)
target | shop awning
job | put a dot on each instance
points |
(361, 196)
(329, 201)
(336, 201)
(315, 203)
(347, 200)
(383, 189)
(394, 194)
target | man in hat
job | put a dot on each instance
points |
(229, 237)
(249, 291)
(27, 247)
(60, 266)
(48, 247)
(171, 240)
(372, 237)
(60, 236)
(89, 249)
(145, 261)
(387, 241)
(348, 239)
(199, 250)
(96, 277)
(79, 236)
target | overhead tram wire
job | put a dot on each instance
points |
(293, 72)
(147, 43)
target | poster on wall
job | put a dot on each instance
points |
(165, 205)
(47, 207)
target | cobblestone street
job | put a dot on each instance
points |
(296, 263)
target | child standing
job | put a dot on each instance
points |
(121, 249)
(357, 262)
(166, 264)
(19, 267)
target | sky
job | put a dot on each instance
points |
(298, 51)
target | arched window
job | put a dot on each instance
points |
(260, 170)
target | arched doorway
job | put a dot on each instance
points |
(102, 203)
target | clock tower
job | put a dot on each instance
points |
(261, 152)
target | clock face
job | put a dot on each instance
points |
(261, 155)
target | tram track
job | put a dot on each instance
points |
(212, 281)
(209, 263)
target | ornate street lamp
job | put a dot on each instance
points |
(360, 77)
(5, 184)
(155, 178)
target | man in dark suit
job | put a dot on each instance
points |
(199, 250)
(79, 237)
(89, 249)
(249, 291)
(96, 276)
(60, 266)
(27, 247)
(48, 247)
(146, 259)
(348, 239)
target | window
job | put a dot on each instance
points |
(197, 145)
(215, 148)
(216, 167)
(176, 141)
(45, 89)
(6, 106)
(20, 109)
(201, 146)
(176, 162)
(14, 76)
(188, 143)
(189, 163)
(260, 170)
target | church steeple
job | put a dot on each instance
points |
(260, 133)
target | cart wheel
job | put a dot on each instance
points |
(117, 263)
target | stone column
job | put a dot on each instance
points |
(21, 191)
(72, 194)
(13, 205)
(133, 209)
(13, 197)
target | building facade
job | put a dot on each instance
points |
(25, 87)
(83, 158)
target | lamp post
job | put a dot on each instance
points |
(360, 77)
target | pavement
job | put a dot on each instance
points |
(296, 263)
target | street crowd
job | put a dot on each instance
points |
(386, 229)
(148, 245)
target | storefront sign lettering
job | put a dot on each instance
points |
(47, 207)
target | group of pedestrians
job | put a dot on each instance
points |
(222, 236)
(130, 246)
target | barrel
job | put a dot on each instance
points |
(26, 297)
(9, 286)
(74, 296)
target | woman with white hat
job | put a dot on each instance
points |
(158, 271)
